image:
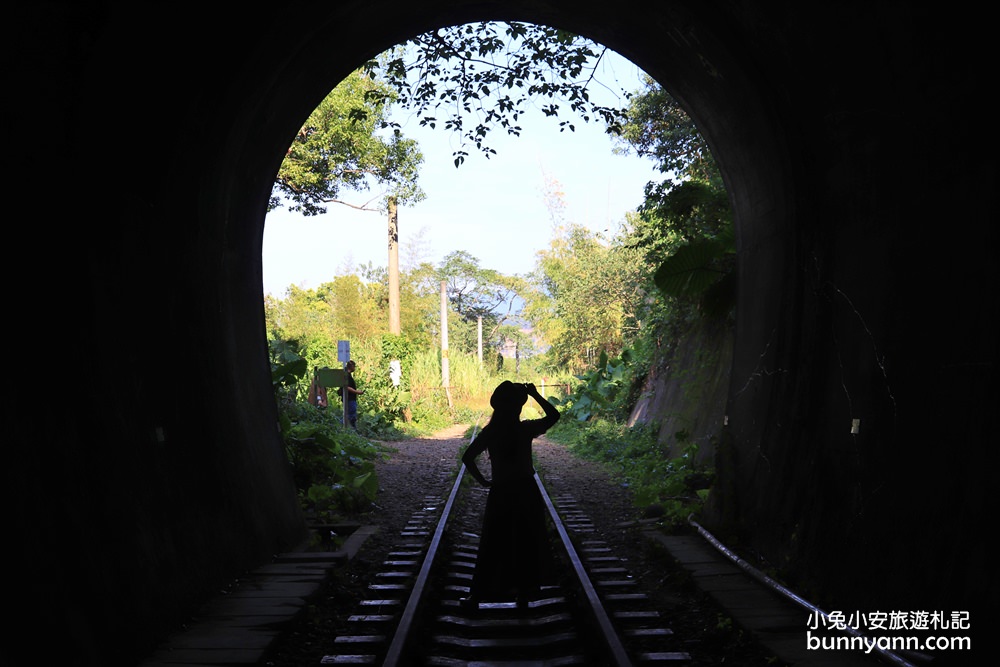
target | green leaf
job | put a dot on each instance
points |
(688, 272)
(720, 297)
(290, 371)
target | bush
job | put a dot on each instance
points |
(671, 488)
(333, 467)
(602, 392)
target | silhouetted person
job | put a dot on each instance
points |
(514, 557)
(351, 393)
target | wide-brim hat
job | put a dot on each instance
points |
(508, 396)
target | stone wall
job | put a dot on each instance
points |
(688, 389)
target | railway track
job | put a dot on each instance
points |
(414, 614)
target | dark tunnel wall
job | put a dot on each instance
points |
(880, 323)
(853, 143)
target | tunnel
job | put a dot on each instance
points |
(144, 461)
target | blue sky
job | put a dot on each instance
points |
(494, 208)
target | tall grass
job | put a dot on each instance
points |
(432, 406)
(470, 384)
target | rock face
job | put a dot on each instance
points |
(687, 391)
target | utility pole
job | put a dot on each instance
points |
(445, 375)
(479, 334)
(394, 326)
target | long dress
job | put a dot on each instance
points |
(514, 558)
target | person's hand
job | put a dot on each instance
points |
(530, 388)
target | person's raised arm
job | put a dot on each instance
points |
(472, 452)
(551, 414)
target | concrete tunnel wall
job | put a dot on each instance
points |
(850, 138)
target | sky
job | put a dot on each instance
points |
(493, 208)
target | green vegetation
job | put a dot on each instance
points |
(667, 489)
(340, 149)
(332, 466)
(591, 322)
(475, 78)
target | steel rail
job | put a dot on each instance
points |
(394, 654)
(791, 595)
(615, 648)
(401, 636)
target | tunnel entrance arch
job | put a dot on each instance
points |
(801, 302)
(684, 53)
(724, 120)
(696, 67)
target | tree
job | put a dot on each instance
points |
(474, 292)
(483, 76)
(299, 314)
(345, 308)
(419, 299)
(488, 72)
(586, 295)
(685, 222)
(356, 306)
(343, 147)
(657, 127)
